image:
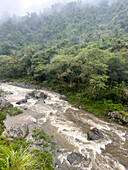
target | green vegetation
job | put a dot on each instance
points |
(45, 151)
(18, 160)
(2, 93)
(20, 154)
(77, 49)
(81, 51)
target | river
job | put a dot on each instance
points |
(69, 126)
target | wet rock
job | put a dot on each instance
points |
(120, 116)
(16, 131)
(4, 103)
(27, 96)
(41, 95)
(22, 101)
(9, 93)
(75, 158)
(4, 81)
(80, 107)
(63, 98)
(31, 94)
(95, 134)
(37, 95)
(40, 101)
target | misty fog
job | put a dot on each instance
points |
(21, 7)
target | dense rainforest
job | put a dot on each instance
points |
(78, 49)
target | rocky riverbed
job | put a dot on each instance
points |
(84, 141)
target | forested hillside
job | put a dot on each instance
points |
(75, 21)
(78, 49)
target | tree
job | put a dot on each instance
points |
(92, 63)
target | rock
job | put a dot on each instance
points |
(31, 94)
(40, 101)
(37, 95)
(121, 116)
(80, 107)
(95, 134)
(4, 103)
(75, 158)
(27, 96)
(41, 95)
(22, 101)
(63, 98)
(16, 131)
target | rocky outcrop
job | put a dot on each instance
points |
(95, 134)
(37, 95)
(4, 103)
(16, 131)
(22, 101)
(41, 95)
(120, 116)
(31, 94)
(75, 158)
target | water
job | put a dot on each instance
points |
(69, 126)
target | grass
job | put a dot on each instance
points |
(19, 155)
(16, 160)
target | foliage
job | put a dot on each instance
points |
(79, 48)
(44, 154)
(72, 23)
(16, 160)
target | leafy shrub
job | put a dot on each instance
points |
(16, 160)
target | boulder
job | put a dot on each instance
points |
(22, 101)
(27, 96)
(95, 134)
(40, 101)
(41, 95)
(4, 103)
(37, 95)
(16, 131)
(62, 97)
(31, 94)
(75, 158)
(120, 116)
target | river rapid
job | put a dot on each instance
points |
(69, 126)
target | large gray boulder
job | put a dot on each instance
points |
(75, 158)
(95, 134)
(4, 103)
(41, 95)
(16, 131)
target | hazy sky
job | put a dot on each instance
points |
(20, 7)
